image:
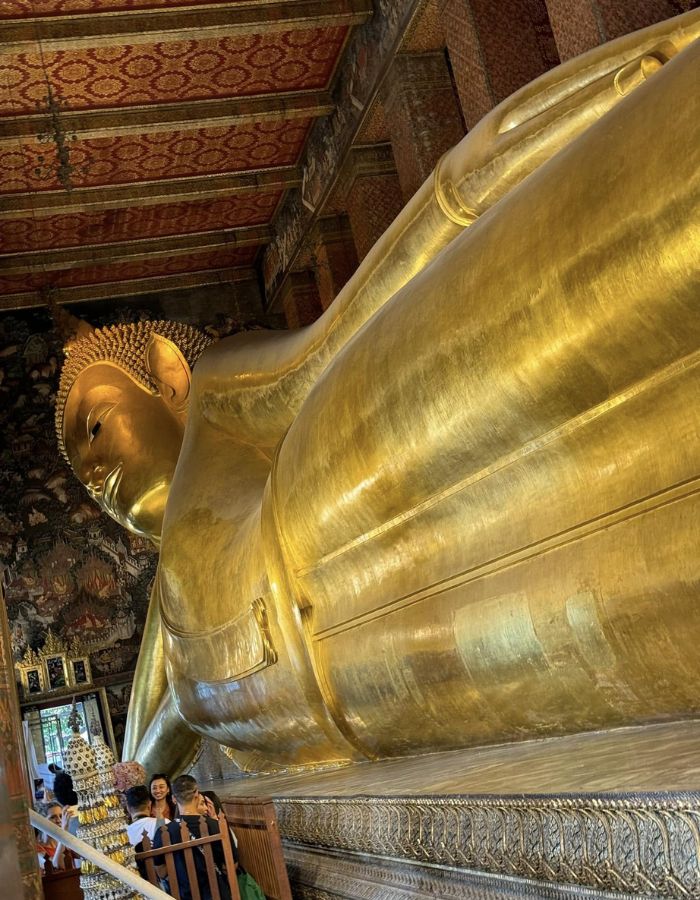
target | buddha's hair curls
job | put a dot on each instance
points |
(125, 346)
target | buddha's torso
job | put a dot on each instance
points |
(211, 523)
(481, 524)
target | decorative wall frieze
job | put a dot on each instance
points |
(222, 278)
(640, 844)
(366, 160)
(370, 51)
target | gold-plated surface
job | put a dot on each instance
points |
(465, 498)
(644, 759)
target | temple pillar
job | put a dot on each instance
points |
(300, 299)
(20, 872)
(334, 255)
(496, 48)
(422, 114)
(579, 25)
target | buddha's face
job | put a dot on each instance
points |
(123, 443)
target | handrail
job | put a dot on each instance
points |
(121, 873)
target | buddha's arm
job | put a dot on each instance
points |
(167, 744)
(154, 734)
(256, 383)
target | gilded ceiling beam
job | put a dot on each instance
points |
(193, 23)
(148, 193)
(100, 123)
(176, 245)
(130, 288)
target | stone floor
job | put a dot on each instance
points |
(652, 758)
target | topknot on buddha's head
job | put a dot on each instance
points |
(124, 346)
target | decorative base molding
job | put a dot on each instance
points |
(591, 845)
(326, 875)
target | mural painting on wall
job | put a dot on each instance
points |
(67, 566)
(70, 567)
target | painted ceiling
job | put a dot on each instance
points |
(146, 139)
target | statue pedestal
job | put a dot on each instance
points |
(606, 814)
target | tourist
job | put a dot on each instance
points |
(138, 803)
(248, 887)
(65, 794)
(214, 809)
(63, 789)
(47, 847)
(189, 805)
(162, 804)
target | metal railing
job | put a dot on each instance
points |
(128, 877)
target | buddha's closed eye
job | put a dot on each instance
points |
(96, 419)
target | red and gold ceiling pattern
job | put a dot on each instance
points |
(127, 271)
(133, 223)
(118, 76)
(123, 159)
(68, 85)
(21, 9)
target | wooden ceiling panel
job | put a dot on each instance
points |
(24, 235)
(154, 139)
(20, 9)
(148, 193)
(119, 76)
(24, 21)
(128, 271)
(169, 116)
(36, 165)
(93, 254)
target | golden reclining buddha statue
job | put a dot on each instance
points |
(461, 507)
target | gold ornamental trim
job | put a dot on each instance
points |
(53, 645)
(56, 666)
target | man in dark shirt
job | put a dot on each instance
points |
(188, 801)
(138, 802)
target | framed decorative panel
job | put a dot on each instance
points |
(32, 681)
(56, 672)
(80, 671)
(57, 667)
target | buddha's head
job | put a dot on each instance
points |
(120, 415)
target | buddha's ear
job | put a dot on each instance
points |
(169, 370)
